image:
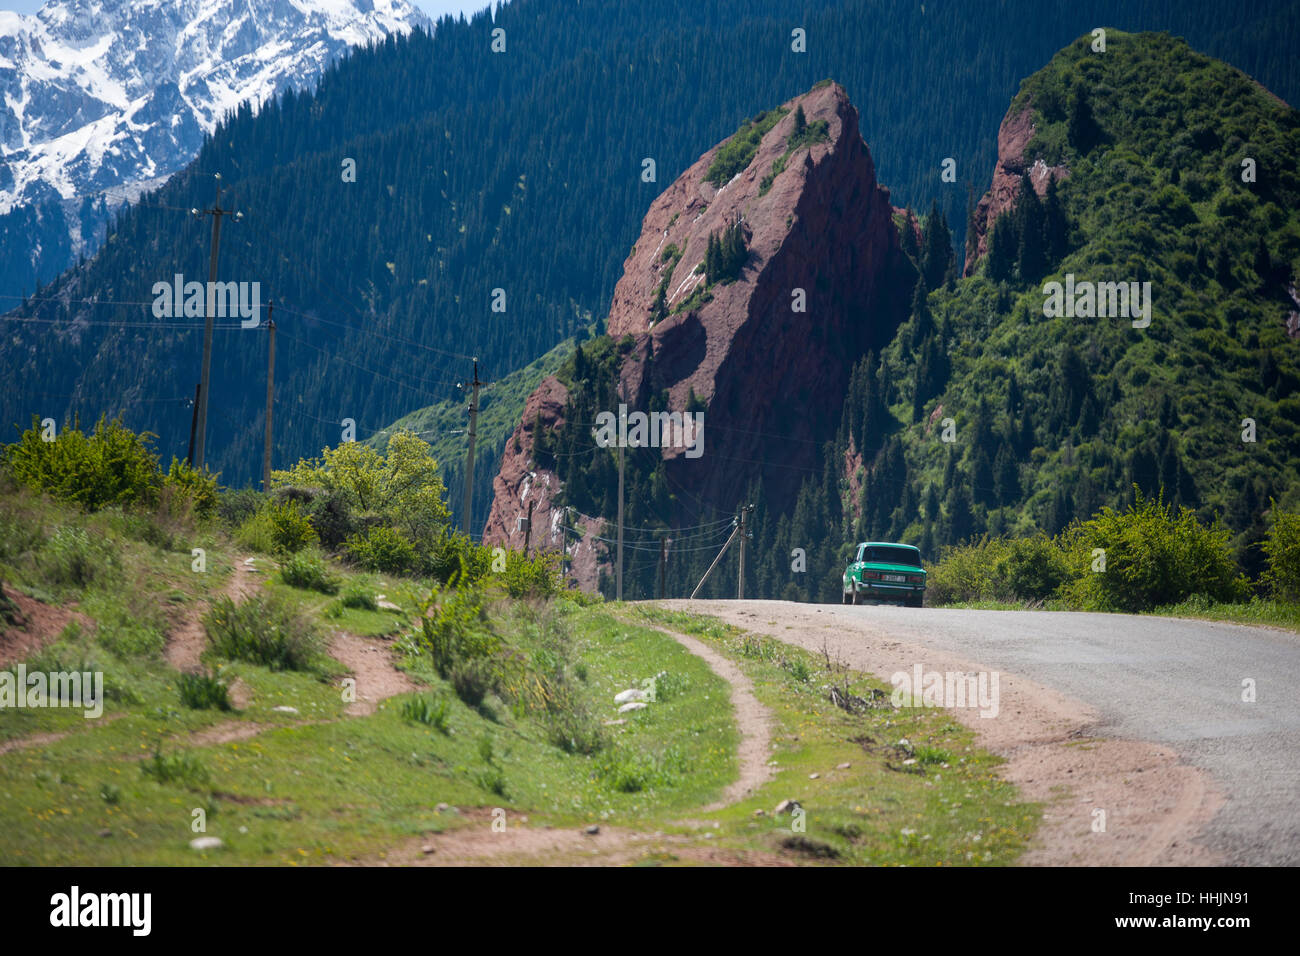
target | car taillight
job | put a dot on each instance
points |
(871, 575)
(916, 579)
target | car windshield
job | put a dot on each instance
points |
(887, 555)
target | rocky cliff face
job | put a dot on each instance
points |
(1014, 134)
(769, 354)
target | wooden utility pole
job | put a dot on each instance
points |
(725, 546)
(270, 393)
(194, 420)
(528, 528)
(468, 514)
(622, 431)
(744, 536)
(663, 563)
(205, 380)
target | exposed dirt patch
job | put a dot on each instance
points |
(476, 843)
(44, 739)
(1155, 805)
(371, 663)
(753, 720)
(40, 624)
(225, 733)
(186, 643)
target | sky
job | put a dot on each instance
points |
(434, 8)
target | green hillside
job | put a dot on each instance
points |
(1054, 418)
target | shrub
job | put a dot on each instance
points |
(237, 505)
(1153, 557)
(184, 768)
(966, 572)
(402, 486)
(573, 729)
(382, 549)
(535, 576)
(263, 631)
(358, 596)
(198, 488)
(306, 570)
(1032, 569)
(472, 679)
(1282, 547)
(799, 669)
(257, 533)
(453, 628)
(331, 515)
(112, 465)
(201, 691)
(454, 558)
(999, 569)
(291, 529)
(432, 712)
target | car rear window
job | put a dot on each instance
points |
(893, 556)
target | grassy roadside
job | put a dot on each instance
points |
(288, 777)
(916, 791)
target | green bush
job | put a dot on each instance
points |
(966, 572)
(111, 466)
(237, 505)
(202, 691)
(1153, 557)
(573, 729)
(472, 678)
(308, 571)
(1282, 547)
(999, 569)
(1032, 569)
(430, 711)
(256, 532)
(454, 558)
(264, 631)
(535, 576)
(198, 488)
(453, 629)
(382, 549)
(291, 529)
(183, 768)
(356, 595)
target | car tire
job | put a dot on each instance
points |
(915, 601)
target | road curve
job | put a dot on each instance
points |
(1169, 681)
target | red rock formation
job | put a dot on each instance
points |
(773, 378)
(1014, 134)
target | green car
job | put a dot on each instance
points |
(882, 571)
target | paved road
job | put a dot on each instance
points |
(1174, 681)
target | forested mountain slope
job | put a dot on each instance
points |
(994, 410)
(520, 171)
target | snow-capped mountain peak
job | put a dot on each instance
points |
(104, 94)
